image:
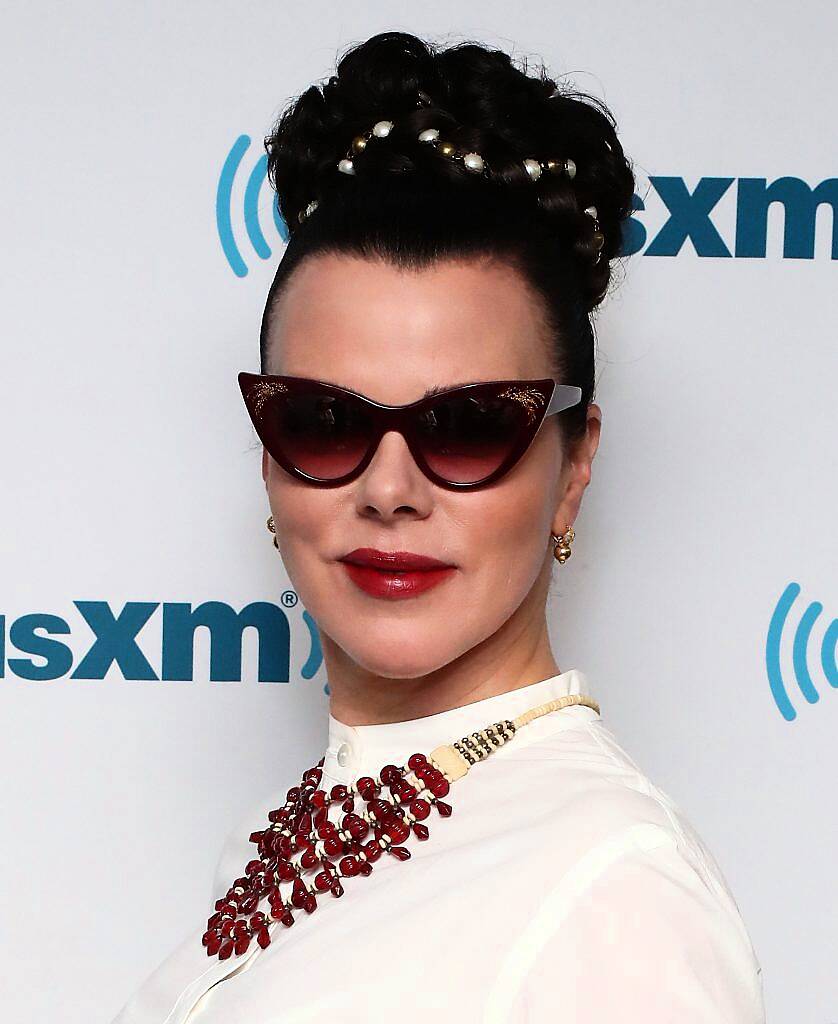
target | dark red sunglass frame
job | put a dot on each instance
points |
(538, 398)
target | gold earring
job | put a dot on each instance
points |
(272, 528)
(562, 551)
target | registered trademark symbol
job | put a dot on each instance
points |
(288, 599)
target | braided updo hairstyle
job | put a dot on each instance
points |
(411, 205)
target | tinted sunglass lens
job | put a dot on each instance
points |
(466, 438)
(322, 434)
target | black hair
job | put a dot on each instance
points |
(412, 206)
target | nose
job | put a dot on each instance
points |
(393, 480)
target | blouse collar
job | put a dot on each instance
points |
(356, 750)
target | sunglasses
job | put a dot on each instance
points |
(462, 438)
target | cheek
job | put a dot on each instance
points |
(302, 516)
(508, 541)
(517, 514)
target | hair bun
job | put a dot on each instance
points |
(481, 102)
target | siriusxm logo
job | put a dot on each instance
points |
(689, 217)
(688, 214)
(801, 642)
(116, 642)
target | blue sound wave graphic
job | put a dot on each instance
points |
(315, 655)
(800, 647)
(224, 213)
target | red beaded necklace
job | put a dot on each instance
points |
(302, 827)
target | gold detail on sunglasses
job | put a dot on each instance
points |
(265, 389)
(531, 399)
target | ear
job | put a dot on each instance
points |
(265, 458)
(576, 471)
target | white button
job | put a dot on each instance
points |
(344, 751)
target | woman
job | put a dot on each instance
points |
(425, 409)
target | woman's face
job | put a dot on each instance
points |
(391, 334)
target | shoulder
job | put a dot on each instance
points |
(592, 789)
(626, 883)
(633, 933)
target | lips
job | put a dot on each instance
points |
(394, 561)
(394, 575)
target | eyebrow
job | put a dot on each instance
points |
(439, 388)
(436, 389)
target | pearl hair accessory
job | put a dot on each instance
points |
(471, 160)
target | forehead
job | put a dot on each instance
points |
(390, 333)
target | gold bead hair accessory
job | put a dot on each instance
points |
(599, 237)
(470, 159)
(562, 551)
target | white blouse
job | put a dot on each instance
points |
(564, 887)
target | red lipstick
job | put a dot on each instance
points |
(394, 574)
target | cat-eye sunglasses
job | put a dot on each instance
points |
(462, 438)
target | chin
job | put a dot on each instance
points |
(397, 657)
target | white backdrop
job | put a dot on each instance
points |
(132, 486)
